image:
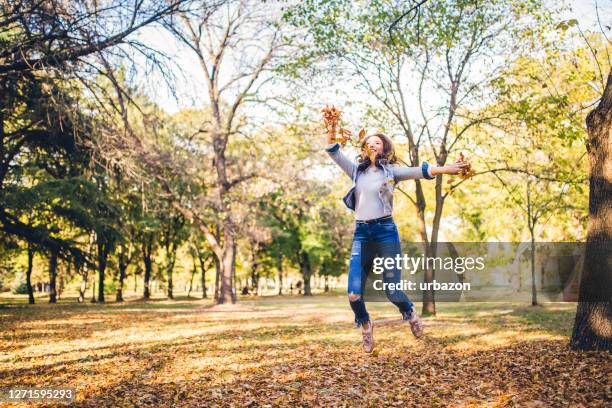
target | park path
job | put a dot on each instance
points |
(299, 352)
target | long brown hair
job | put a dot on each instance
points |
(387, 156)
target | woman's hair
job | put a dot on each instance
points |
(387, 156)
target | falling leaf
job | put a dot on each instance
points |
(362, 134)
(371, 155)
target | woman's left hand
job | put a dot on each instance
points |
(456, 168)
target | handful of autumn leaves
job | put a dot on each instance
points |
(331, 119)
(465, 173)
(468, 171)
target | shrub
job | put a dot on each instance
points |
(20, 289)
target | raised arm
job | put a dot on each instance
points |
(412, 173)
(426, 171)
(347, 165)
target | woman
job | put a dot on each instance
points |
(372, 200)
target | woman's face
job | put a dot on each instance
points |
(375, 144)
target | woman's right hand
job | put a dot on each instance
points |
(329, 138)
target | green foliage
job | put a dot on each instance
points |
(360, 30)
(20, 289)
(110, 287)
(19, 286)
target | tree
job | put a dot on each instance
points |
(125, 256)
(295, 217)
(29, 274)
(148, 231)
(55, 34)
(533, 146)
(52, 277)
(173, 233)
(593, 323)
(217, 41)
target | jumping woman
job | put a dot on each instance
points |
(371, 198)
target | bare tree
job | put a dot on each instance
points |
(54, 33)
(236, 48)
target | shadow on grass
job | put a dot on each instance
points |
(558, 322)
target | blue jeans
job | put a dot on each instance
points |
(370, 240)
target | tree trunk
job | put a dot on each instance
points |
(125, 257)
(429, 299)
(531, 226)
(217, 278)
(429, 304)
(60, 286)
(93, 290)
(227, 264)
(306, 272)
(534, 293)
(225, 289)
(52, 277)
(103, 249)
(217, 266)
(147, 248)
(280, 274)
(254, 274)
(593, 323)
(203, 269)
(29, 274)
(83, 272)
(171, 257)
(226, 294)
(234, 290)
(122, 269)
(170, 282)
(193, 272)
(203, 278)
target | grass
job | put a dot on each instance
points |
(287, 351)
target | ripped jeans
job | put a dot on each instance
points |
(380, 239)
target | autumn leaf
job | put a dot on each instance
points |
(362, 134)
(370, 153)
(345, 136)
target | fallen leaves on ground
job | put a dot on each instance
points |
(299, 352)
